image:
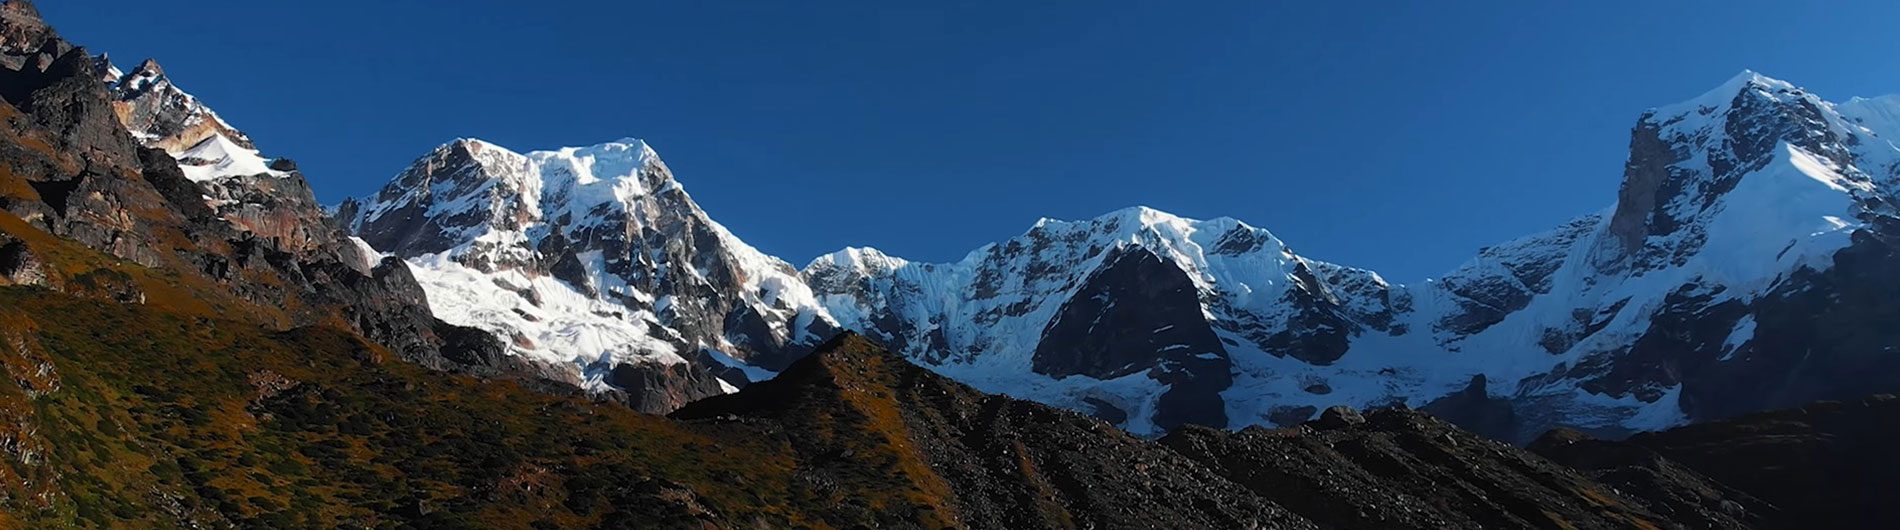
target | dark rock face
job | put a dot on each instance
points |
(18, 265)
(454, 170)
(1140, 313)
(1826, 465)
(1821, 335)
(1818, 335)
(1660, 484)
(661, 388)
(1643, 177)
(1395, 468)
(1339, 417)
(1314, 325)
(1318, 330)
(1475, 410)
(1663, 194)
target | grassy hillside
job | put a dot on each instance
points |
(133, 400)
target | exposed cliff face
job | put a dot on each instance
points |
(1137, 315)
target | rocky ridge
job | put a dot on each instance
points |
(75, 169)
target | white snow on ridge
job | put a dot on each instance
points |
(217, 157)
(566, 327)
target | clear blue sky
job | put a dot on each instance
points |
(1399, 136)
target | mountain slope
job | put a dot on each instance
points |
(866, 416)
(863, 414)
(1030, 316)
(70, 167)
(595, 262)
(178, 416)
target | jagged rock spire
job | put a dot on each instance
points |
(149, 67)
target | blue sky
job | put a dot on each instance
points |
(1398, 136)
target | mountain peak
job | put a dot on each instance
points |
(856, 258)
(618, 160)
(1724, 94)
(149, 67)
(855, 354)
(849, 370)
(469, 147)
(22, 7)
(21, 28)
(1132, 216)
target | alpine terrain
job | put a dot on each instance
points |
(565, 339)
(1742, 214)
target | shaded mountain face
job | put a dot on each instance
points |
(1825, 465)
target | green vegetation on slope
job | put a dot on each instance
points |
(136, 399)
(121, 416)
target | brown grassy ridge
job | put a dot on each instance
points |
(190, 408)
(855, 440)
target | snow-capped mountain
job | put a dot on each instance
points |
(1640, 317)
(1742, 213)
(593, 259)
(1137, 315)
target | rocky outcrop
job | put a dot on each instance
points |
(160, 114)
(659, 388)
(1139, 314)
(18, 265)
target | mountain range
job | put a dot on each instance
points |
(192, 341)
(1741, 214)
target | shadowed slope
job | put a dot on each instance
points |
(945, 454)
